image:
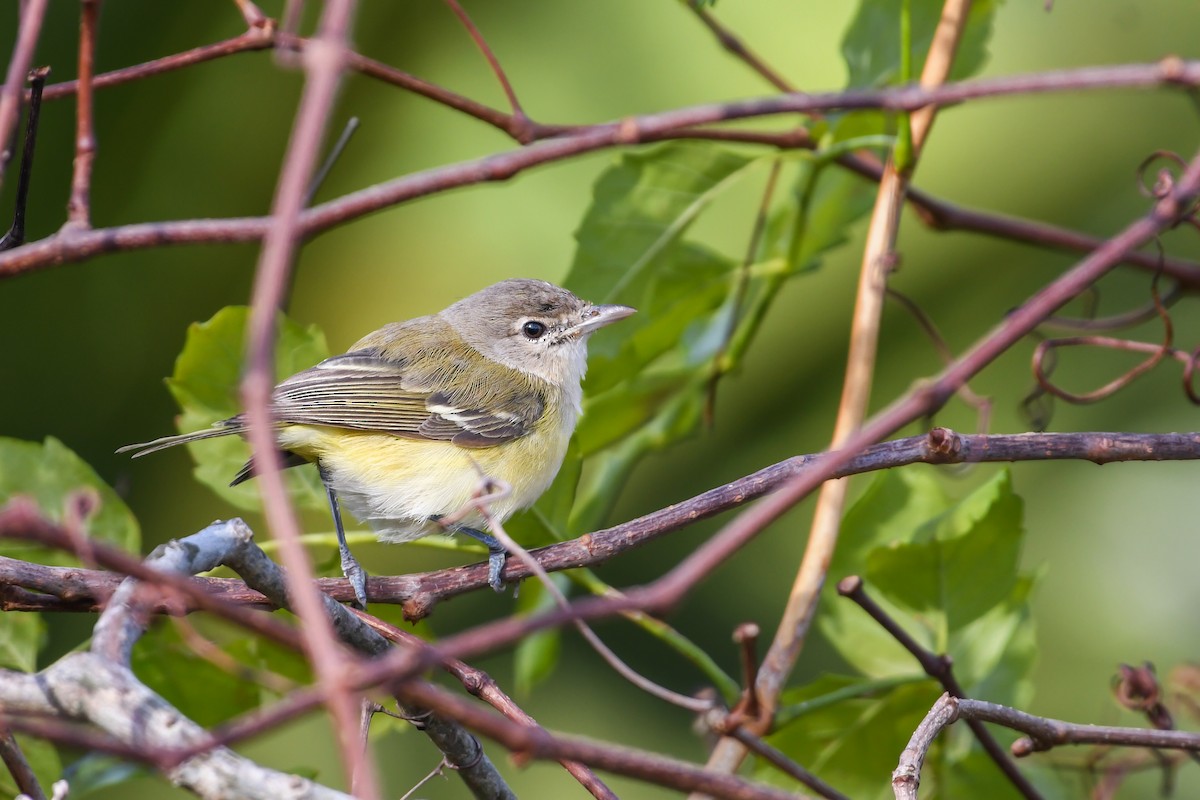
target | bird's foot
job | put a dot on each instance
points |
(357, 577)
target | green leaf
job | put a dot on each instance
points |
(639, 207)
(630, 250)
(817, 215)
(961, 564)
(95, 771)
(853, 744)
(896, 503)
(995, 654)
(50, 473)
(199, 688)
(871, 46)
(676, 302)
(21, 636)
(205, 385)
(947, 572)
(651, 377)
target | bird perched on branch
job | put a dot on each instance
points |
(405, 426)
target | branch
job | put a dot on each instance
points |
(878, 260)
(938, 667)
(18, 766)
(79, 204)
(323, 61)
(161, 584)
(650, 767)
(33, 587)
(97, 687)
(1043, 733)
(74, 246)
(30, 26)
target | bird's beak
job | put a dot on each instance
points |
(595, 317)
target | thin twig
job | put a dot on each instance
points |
(877, 261)
(16, 233)
(323, 62)
(253, 15)
(1042, 733)
(483, 686)
(531, 743)
(78, 206)
(513, 103)
(781, 762)
(737, 47)
(254, 39)
(1046, 350)
(981, 404)
(18, 766)
(938, 667)
(31, 16)
(493, 491)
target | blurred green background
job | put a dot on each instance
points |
(85, 347)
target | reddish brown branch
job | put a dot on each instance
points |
(482, 685)
(31, 16)
(253, 39)
(493, 62)
(1044, 733)
(324, 60)
(526, 743)
(787, 766)
(679, 123)
(21, 520)
(33, 587)
(78, 206)
(737, 48)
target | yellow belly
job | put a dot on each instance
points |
(396, 485)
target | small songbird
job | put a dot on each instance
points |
(405, 426)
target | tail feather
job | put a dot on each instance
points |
(287, 457)
(163, 443)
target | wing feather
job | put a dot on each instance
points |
(363, 390)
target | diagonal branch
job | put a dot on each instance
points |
(323, 64)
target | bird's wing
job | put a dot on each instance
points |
(361, 390)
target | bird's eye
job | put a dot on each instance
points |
(533, 329)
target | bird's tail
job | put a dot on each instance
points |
(226, 428)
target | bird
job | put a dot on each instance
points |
(406, 425)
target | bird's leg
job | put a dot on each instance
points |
(350, 566)
(496, 552)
